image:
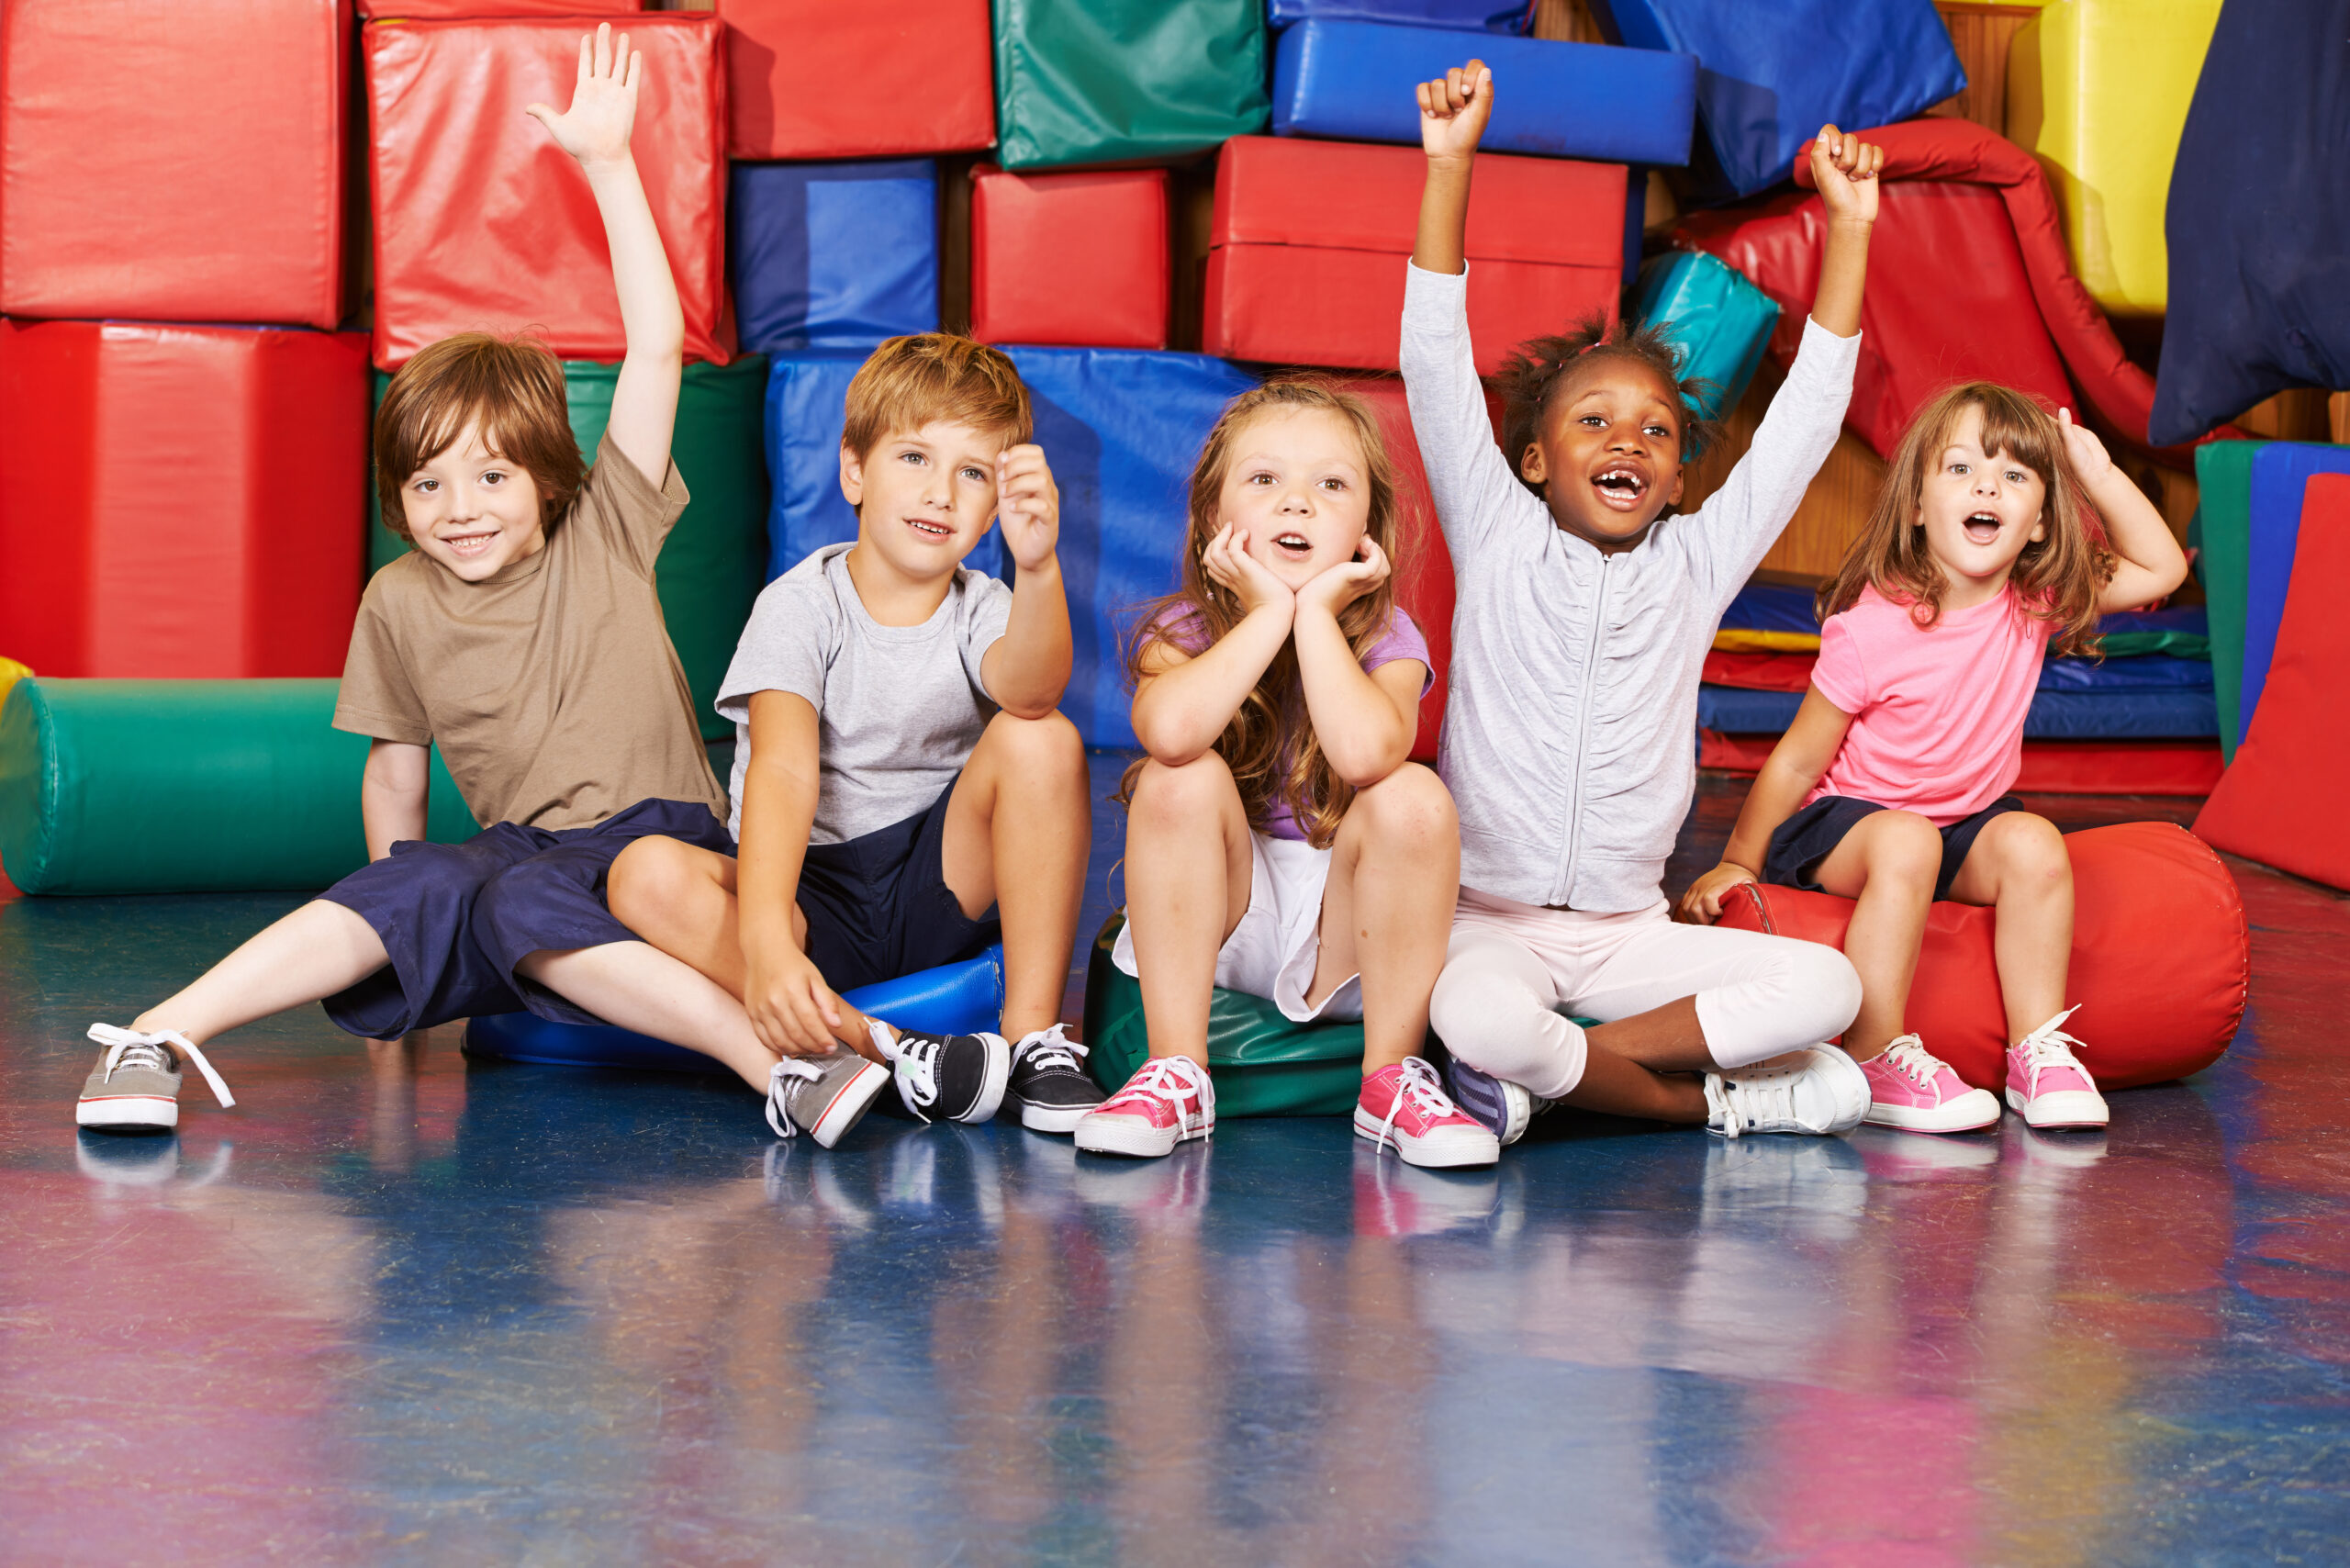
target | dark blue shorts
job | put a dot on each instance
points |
(1809, 836)
(457, 918)
(879, 906)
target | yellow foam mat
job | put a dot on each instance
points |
(1735, 640)
(2099, 90)
(11, 672)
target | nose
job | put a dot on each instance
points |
(1298, 500)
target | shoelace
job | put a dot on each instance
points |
(1049, 1048)
(779, 1078)
(2049, 1045)
(1909, 1057)
(1420, 1086)
(1169, 1078)
(1724, 1094)
(129, 1048)
(917, 1057)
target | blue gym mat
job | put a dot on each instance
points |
(2280, 475)
(1473, 15)
(833, 255)
(2071, 715)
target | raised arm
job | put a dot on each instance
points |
(393, 791)
(596, 130)
(1795, 764)
(1027, 669)
(2148, 564)
(1844, 169)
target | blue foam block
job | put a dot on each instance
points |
(1771, 607)
(833, 255)
(1721, 322)
(957, 999)
(2280, 473)
(1355, 80)
(2055, 715)
(2142, 672)
(1769, 76)
(1471, 16)
(1120, 428)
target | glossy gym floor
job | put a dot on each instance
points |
(399, 1307)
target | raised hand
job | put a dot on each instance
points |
(1454, 109)
(1702, 905)
(2091, 462)
(1227, 562)
(1844, 168)
(1027, 506)
(1340, 586)
(595, 129)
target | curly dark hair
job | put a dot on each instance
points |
(1541, 366)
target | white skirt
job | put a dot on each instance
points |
(1272, 952)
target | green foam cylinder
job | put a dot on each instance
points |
(186, 787)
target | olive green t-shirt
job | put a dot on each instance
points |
(550, 686)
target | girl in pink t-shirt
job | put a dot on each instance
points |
(1278, 842)
(1891, 786)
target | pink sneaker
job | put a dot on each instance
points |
(1911, 1087)
(2047, 1084)
(1406, 1105)
(1168, 1101)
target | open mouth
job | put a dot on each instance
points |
(465, 547)
(1297, 546)
(925, 529)
(1620, 487)
(1982, 528)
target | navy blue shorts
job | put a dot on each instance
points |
(1806, 838)
(879, 906)
(457, 918)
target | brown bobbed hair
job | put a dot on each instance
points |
(925, 378)
(2056, 578)
(1533, 375)
(1202, 610)
(512, 387)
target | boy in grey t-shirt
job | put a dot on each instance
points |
(898, 744)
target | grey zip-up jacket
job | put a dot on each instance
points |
(1569, 731)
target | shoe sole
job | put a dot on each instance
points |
(1134, 1138)
(1429, 1154)
(1948, 1118)
(991, 1087)
(128, 1113)
(848, 1107)
(1053, 1118)
(2066, 1108)
(1488, 1100)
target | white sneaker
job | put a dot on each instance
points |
(1818, 1091)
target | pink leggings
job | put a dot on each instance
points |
(1514, 969)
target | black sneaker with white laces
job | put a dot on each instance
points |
(1051, 1090)
(946, 1078)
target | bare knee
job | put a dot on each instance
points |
(1044, 750)
(1905, 849)
(1409, 809)
(1178, 798)
(2027, 852)
(651, 878)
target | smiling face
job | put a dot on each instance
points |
(1608, 458)
(1979, 510)
(472, 510)
(1297, 485)
(924, 497)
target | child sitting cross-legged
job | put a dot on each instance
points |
(902, 777)
(1891, 786)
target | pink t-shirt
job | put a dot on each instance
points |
(1937, 711)
(1401, 641)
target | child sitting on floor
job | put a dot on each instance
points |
(522, 634)
(1583, 618)
(1891, 786)
(1278, 842)
(901, 771)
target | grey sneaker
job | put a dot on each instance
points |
(1818, 1090)
(823, 1096)
(135, 1088)
(1505, 1108)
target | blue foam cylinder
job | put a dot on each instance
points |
(833, 255)
(2281, 473)
(956, 999)
(1720, 323)
(1467, 16)
(1354, 81)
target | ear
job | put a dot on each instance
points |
(1532, 467)
(852, 476)
(2039, 526)
(1672, 496)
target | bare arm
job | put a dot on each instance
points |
(1366, 721)
(2149, 564)
(1027, 669)
(1844, 169)
(1183, 700)
(1453, 113)
(393, 791)
(793, 1011)
(595, 130)
(1795, 765)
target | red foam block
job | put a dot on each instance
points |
(2285, 801)
(860, 79)
(1078, 259)
(483, 222)
(2161, 958)
(1310, 238)
(181, 500)
(183, 161)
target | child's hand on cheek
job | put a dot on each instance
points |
(1331, 591)
(1027, 506)
(595, 129)
(1228, 563)
(2091, 462)
(1844, 168)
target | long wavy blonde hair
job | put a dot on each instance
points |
(2056, 578)
(1202, 610)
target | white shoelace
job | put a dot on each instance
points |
(1420, 1085)
(917, 1057)
(2049, 1045)
(778, 1077)
(1170, 1079)
(1726, 1096)
(129, 1048)
(1048, 1048)
(1909, 1057)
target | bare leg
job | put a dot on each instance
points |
(1021, 803)
(1889, 862)
(2019, 864)
(1188, 864)
(311, 954)
(1387, 908)
(637, 986)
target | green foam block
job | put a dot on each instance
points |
(1117, 81)
(185, 787)
(2223, 478)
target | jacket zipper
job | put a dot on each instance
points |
(1583, 738)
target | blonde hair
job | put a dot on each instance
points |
(1202, 610)
(919, 379)
(2056, 578)
(510, 388)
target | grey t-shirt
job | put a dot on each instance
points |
(898, 708)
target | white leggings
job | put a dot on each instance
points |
(1514, 969)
